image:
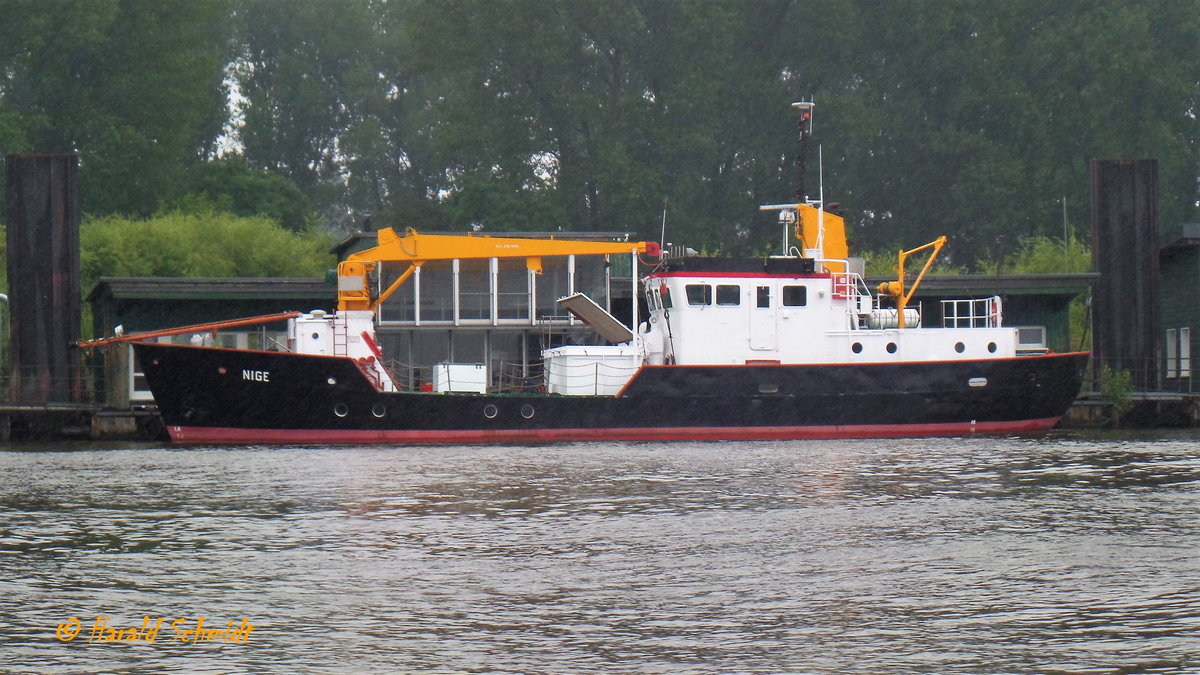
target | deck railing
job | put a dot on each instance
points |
(972, 313)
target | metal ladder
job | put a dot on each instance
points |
(341, 339)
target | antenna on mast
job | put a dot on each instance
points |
(662, 238)
(805, 125)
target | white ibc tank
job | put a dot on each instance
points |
(460, 377)
(580, 371)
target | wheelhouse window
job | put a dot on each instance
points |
(795, 296)
(698, 294)
(729, 295)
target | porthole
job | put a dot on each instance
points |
(332, 380)
(765, 388)
(856, 347)
(992, 347)
(341, 410)
(959, 347)
(490, 411)
(891, 347)
(316, 336)
(222, 370)
(379, 410)
(527, 411)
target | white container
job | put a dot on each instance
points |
(460, 377)
(312, 333)
(577, 370)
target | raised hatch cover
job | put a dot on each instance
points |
(597, 317)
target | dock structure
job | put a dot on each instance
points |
(52, 422)
(42, 214)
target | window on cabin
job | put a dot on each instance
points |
(699, 294)
(1179, 352)
(795, 296)
(1172, 358)
(1185, 352)
(764, 296)
(729, 295)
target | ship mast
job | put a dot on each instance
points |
(805, 128)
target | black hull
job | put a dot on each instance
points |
(209, 395)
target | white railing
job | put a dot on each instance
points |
(973, 313)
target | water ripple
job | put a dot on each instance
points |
(1066, 554)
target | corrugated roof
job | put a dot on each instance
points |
(212, 288)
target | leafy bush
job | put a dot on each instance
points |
(1117, 387)
(1044, 255)
(178, 244)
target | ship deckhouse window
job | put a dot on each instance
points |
(795, 296)
(764, 296)
(729, 295)
(699, 294)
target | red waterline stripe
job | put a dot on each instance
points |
(200, 435)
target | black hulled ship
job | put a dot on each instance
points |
(790, 346)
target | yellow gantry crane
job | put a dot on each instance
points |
(354, 288)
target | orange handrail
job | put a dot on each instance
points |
(210, 327)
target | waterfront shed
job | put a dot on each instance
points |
(1179, 267)
(148, 303)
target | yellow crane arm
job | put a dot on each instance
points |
(896, 288)
(354, 288)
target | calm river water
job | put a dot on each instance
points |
(1062, 554)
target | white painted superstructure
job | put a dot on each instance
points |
(704, 318)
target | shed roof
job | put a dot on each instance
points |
(211, 288)
(1186, 235)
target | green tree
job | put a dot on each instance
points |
(229, 184)
(136, 87)
(971, 119)
(312, 76)
(974, 119)
(598, 113)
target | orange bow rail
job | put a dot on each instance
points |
(210, 327)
